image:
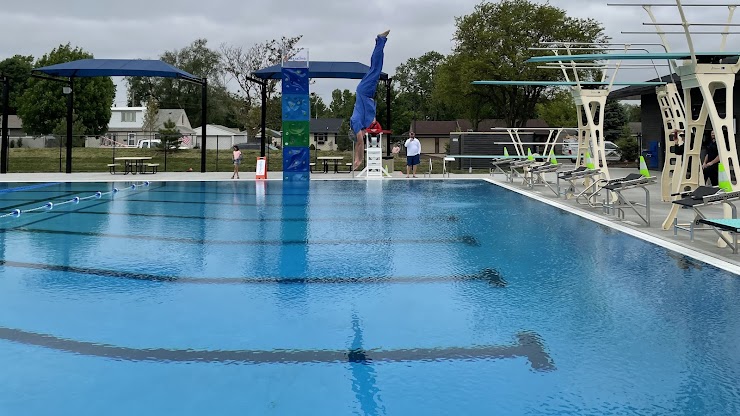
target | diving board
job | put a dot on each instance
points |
(566, 83)
(630, 56)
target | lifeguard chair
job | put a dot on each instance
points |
(374, 153)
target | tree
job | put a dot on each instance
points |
(43, 106)
(18, 70)
(634, 112)
(342, 104)
(615, 120)
(318, 107)
(170, 136)
(559, 110)
(492, 43)
(415, 79)
(240, 64)
(79, 131)
(151, 115)
(196, 59)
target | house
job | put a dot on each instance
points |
(126, 126)
(15, 126)
(220, 137)
(323, 132)
(435, 135)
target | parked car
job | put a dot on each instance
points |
(154, 143)
(612, 152)
(148, 143)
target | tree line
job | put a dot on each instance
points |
(491, 43)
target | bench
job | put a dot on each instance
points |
(311, 166)
(154, 166)
(348, 165)
(112, 167)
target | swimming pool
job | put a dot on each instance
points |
(347, 297)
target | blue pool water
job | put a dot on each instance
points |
(350, 298)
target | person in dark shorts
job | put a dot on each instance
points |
(413, 153)
(711, 162)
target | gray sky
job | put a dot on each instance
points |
(332, 29)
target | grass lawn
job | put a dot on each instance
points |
(88, 159)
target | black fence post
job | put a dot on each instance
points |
(60, 155)
(217, 138)
(4, 152)
(70, 112)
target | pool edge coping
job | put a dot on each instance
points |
(678, 248)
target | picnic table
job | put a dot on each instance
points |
(326, 160)
(133, 164)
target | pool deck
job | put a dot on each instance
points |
(703, 248)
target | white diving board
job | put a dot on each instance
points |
(629, 56)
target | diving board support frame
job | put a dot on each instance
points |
(708, 78)
(590, 107)
(673, 113)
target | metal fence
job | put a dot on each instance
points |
(93, 154)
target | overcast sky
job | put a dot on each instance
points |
(332, 29)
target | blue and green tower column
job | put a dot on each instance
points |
(296, 116)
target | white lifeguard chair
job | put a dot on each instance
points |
(374, 157)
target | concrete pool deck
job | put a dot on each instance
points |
(704, 247)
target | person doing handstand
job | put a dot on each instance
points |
(363, 115)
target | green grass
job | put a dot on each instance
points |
(22, 160)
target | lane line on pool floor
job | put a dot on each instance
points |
(489, 275)
(527, 345)
(465, 239)
(442, 218)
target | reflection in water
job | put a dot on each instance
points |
(363, 375)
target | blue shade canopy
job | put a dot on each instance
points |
(117, 68)
(561, 83)
(323, 69)
(629, 56)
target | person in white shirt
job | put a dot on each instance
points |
(413, 152)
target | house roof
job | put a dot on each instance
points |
(117, 68)
(322, 69)
(325, 125)
(444, 127)
(635, 127)
(218, 130)
(176, 115)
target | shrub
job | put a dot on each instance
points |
(20, 142)
(12, 144)
(312, 147)
(629, 148)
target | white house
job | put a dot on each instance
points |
(220, 137)
(126, 126)
(323, 132)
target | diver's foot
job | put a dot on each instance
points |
(384, 34)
